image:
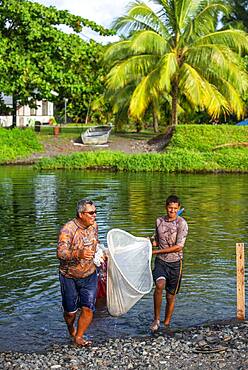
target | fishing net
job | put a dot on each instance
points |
(129, 275)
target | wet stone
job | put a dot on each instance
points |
(212, 339)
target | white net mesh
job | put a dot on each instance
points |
(129, 270)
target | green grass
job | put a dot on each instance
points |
(205, 137)
(177, 161)
(190, 150)
(17, 143)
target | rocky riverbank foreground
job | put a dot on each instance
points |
(219, 346)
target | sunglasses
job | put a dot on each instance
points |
(91, 212)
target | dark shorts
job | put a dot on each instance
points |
(171, 272)
(77, 293)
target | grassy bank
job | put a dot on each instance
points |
(17, 143)
(204, 138)
(193, 148)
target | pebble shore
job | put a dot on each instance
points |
(216, 346)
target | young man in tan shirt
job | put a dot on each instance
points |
(170, 235)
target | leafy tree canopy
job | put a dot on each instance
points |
(238, 17)
(36, 56)
(174, 52)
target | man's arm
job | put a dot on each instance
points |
(66, 252)
(64, 248)
(173, 249)
(154, 241)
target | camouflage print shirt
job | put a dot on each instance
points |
(170, 233)
(72, 238)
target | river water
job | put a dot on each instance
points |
(34, 205)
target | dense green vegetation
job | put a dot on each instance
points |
(17, 143)
(238, 16)
(193, 148)
(202, 138)
(53, 60)
(174, 53)
(173, 60)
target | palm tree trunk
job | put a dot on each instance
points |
(174, 118)
(138, 125)
(88, 113)
(154, 121)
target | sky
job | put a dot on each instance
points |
(102, 12)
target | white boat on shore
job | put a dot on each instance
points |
(96, 135)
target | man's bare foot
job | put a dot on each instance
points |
(155, 325)
(79, 341)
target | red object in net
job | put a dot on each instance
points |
(101, 288)
(102, 282)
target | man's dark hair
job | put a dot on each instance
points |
(81, 205)
(172, 199)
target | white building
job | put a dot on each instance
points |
(26, 116)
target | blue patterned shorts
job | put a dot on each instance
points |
(77, 293)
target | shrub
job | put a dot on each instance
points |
(17, 143)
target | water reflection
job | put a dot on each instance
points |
(35, 204)
(45, 189)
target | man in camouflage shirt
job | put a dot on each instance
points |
(170, 235)
(77, 244)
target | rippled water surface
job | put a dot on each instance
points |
(35, 204)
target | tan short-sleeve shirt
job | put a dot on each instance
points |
(170, 233)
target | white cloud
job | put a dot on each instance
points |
(103, 12)
(100, 11)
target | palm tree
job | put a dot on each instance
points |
(174, 51)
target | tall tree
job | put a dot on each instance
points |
(36, 56)
(174, 52)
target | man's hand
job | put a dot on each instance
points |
(86, 254)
